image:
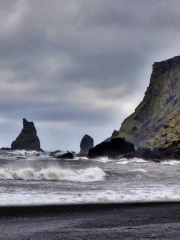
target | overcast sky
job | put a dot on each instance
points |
(77, 67)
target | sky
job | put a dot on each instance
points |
(77, 67)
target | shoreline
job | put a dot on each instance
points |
(157, 220)
(80, 207)
(57, 208)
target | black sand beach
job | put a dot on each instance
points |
(92, 221)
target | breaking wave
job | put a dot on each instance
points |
(81, 175)
(108, 196)
(138, 170)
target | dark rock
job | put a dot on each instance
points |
(27, 139)
(100, 150)
(121, 146)
(157, 152)
(87, 142)
(114, 134)
(147, 154)
(62, 154)
(169, 150)
(143, 152)
(134, 129)
(67, 155)
(5, 148)
(53, 154)
(113, 149)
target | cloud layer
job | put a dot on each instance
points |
(76, 67)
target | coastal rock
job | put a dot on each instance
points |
(100, 150)
(147, 154)
(170, 150)
(27, 139)
(67, 155)
(155, 122)
(55, 153)
(5, 148)
(112, 149)
(87, 142)
(114, 134)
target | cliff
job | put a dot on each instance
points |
(155, 122)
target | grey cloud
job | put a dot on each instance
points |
(67, 61)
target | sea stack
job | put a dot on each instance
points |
(155, 122)
(87, 142)
(28, 138)
(117, 147)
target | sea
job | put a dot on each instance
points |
(35, 178)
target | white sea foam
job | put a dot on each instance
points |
(80, 158)
(134, 180)
(122, 161)
(108, 196)
(170, 162)
(139, 160)
(132, 160)
(24, 154)
(138, 170)
(81, 175)
(103, 159)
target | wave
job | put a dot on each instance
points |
(107, 196)
(170, 162)
(81, 175)
(138, 170)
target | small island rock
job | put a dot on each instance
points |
(87, 142)
(67, 155)
(62, 154)
(112, 149)
(28, 138)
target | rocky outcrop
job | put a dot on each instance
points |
(27, 139)
(114, 134)
(112, 149)
(55, 153)
(67, 155)
(148, 154)
(87, 142)
(62, 155)
(169, 150)
(155, 122)
(5, 148)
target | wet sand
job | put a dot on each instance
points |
(91, 222)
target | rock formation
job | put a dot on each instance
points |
(148, 154)
(156, 121)
(114, 134)
(87, 142)
(67, 155)
(62, 154)
(112, 149)
(5, 148)
(28, 138)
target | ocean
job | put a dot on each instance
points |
(32, 178)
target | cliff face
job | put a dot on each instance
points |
(156, 121)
